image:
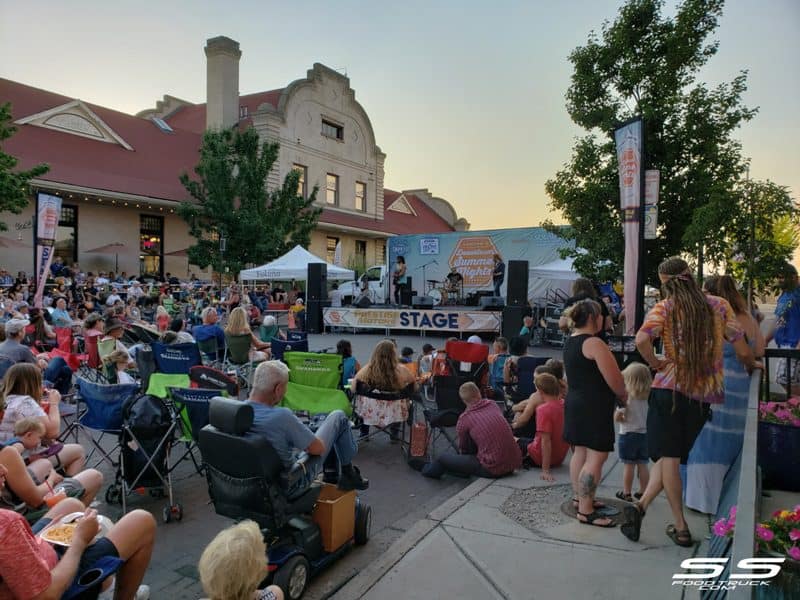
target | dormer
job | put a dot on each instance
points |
(75, 118)
(402, 205)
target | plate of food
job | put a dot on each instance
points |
(60, 532)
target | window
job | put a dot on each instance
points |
(66, 245)
(243, 112)
(151, 245)
(301, 183)
(380, 252)
(162, 125)
(361, 196)
(332, 189)
(331, 250)
(361, 254)
(332, 130)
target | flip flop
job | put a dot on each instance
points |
(596, 504)
(594, 516)
(632, 526)
(623, 496)
(681, 537)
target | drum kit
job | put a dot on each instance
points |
(444, 292)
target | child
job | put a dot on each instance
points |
(27, 440)
(548, 448)
(234, 563)
(162, 319)
(633, 430)
(497, 362)
(119, 360)
(524, 423)
(527, 324)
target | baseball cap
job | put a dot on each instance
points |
(14, 326)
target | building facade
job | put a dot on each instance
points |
(118, 174)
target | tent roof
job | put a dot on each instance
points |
(293, 265)
(560, 269)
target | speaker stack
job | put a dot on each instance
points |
(491, 303)
(512, 321)
(425, 302)
(405, 293)
(517, 287)
(316, 296)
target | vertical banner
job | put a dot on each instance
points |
(628, 139)
(48, 212)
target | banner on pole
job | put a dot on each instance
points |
(652, 180)
(628, 140)
(48, 213)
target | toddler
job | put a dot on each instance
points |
(632, 443)
(27, 440)
(120, 361)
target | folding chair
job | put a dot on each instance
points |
(209, 351)
(176, 358)
(105, 347)
(278, 347)
(90, 364)
(468, 360)
(296, 336)
(145, 335)
(103, 414)
(205, 377)
(237, 356)
(191, 405)
(315, 383)
(385, 411)
(448, 407)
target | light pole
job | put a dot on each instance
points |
(222, 245)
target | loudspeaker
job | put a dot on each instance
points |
(314, 321)
(492, 303)
(364, 302)
(517, 286)
(405, 293)
(422, 302)
(317, 284)
(512, 321)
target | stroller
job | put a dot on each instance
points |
(146, 438)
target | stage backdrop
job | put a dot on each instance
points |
(428, 320)
(471, 253)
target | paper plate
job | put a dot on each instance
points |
(105, 526)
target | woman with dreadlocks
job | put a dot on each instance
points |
(689, 378)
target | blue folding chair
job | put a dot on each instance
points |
(278, 347)
(176, 359)
(191, 406)
(103, 413)
(296, 336)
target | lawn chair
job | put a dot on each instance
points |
(105, 347)
(176, 358)
(210, 352)
(388, 413)
(191, 406)
(468, 360)
(296, 335)
(103, 414)
(145, 335)
(205, 377)
(237, 357)
(448, 406)
(91, 366)
(315, 383)
(278, 347)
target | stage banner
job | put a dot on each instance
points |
(430, 257)
(629, 158)
(429, 320)
(48, 212)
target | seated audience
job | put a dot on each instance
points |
(178, 326)
(209, 329)
(487, 446)
(350, 365)
(233, 565)
(238, 325)
(289, 437)
(162, 319)
(55, 370)
(524, 423)
(497, 362)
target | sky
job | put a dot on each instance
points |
(466, 98)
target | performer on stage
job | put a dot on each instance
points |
(454, 281)
(499, 274)
(399, 278)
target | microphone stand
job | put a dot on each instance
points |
(424, 279)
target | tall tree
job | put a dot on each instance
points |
(14, 185)
(645, 63)
(232, 201)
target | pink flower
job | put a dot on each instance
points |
(794, 535)
(783, 414)
(722, 528)
(793, 401)
(771, 406)
(796, 422)
(764, 533)
(732, 512)
(794, 552)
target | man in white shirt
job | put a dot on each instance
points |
(113, 298)
(336, 296)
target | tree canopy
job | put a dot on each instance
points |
(14, 185)
(645, 63)
(232, 201)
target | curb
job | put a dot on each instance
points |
(359, 585)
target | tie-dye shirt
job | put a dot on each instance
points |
(658, 324)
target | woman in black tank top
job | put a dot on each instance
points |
(594, 381)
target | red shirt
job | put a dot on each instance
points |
(482, 425)
(549, 419)
(25, 560)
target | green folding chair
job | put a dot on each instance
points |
(315, 383)
(237, 357)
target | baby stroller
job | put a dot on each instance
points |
(146, 437)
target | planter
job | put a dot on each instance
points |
(783, 587)
(778, 449)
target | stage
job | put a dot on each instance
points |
(444, 319)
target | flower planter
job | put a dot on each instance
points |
(783, 587)
(778, 452)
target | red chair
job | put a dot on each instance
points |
(468, 360)
(92, 353)
(64, 338)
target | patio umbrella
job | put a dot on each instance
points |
(181, 252)
(112, 248)
(12, 243)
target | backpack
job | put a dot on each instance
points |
(146, 415)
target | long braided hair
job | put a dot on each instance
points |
(692, 325)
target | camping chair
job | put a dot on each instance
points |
(468, 360)
(206, 377)
(209, 351)
(145, 335)
(296, 336)
(103, 414)
(237, 356)
(447, 408)
(390, 411)
(315, 383)
(176, 359)
(278, 347)
(191, 406)
(523, 387)
(90, 366)
(105, 347)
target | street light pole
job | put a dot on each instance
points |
(222, 245)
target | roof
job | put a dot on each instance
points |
(425, 221)
(192, 117)
(150, 169)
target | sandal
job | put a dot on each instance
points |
(638, 495)
(625, 497)
(681, 537)
(594, 516)
(595, 505)
(632, 526)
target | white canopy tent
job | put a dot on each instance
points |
(556, 275)
(293, 265)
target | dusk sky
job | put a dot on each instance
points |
(466, 98)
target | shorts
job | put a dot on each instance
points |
(632, 449)
(673, 424)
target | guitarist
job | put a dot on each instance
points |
(399, 278)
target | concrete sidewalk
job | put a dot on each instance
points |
(469, 548)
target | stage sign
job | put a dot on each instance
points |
(397, 318)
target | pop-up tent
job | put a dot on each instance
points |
(556, 275)
(293, 265)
